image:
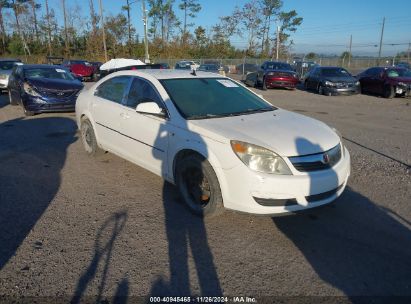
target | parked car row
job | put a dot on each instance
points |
(384, 81)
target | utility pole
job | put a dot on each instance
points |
(349, 55)
(104, 32)
(147, 56)
(65, 30)
(382, 35)
(129, 27)
(48, 27)
(278, 42)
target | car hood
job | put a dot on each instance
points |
(55, 84)
(5, 72)
(341, 79)
(284, 132)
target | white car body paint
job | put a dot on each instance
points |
(156, 147)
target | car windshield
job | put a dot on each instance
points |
(49, 73)
(399, 73)
(207, 67)
(7, 65)
(198, 98)
(337, 72)
(278, 66)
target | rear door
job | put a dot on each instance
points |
(107, 110)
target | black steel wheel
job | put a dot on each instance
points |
(198, 185)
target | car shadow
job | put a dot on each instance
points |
(32, 154)
(356, 246)
(103, 251)
(186, 233)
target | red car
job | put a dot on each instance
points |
(274, 74)
(83, 69)
(387, 82)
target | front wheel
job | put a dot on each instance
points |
(389, 91)
(12, 102)
(264, 85)
(198, 185)
(320, 89)
(88, 138)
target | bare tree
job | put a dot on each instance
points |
(190, 8)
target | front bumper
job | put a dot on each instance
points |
(40, 105)
(341, 91)
(267, 194)
(281, 83)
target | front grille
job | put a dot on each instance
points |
(344, 85)
(58, 93)
(316, 162)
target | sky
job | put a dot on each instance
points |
(326, 27)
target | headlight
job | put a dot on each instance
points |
(341, 139)
(260, 159)
(402, 84)
(30, 90)
(329, 83)
(357, 83)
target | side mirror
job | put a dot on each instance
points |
(150, 107)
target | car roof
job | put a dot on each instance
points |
(169, 74)
(42, 66)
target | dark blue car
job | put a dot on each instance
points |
(43, 88)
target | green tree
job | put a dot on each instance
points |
(190, 8)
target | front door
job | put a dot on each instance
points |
(146, 136)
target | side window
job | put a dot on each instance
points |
(113, 89)
(316, 72)
(141, 90)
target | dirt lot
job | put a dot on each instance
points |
(73, 226)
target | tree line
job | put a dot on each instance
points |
(30, 28)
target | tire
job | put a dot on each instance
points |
(12, 102)
(94, 78)
(389, 91)
(27, 112)
(320, 89)
(306, 85)
(88, 138)
(198, 186)
(264, 86)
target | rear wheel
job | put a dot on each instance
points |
(389, 91)
(12, 102)
(88, 138)
(306, 85)
(198, 185)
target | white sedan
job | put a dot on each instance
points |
(220, 143)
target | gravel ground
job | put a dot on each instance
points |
(76, 227)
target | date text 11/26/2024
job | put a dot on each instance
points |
(199, 299)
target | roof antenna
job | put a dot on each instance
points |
(193, 72)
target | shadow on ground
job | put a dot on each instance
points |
(355, 246)
(32, 154)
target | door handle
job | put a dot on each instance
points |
(124, 115)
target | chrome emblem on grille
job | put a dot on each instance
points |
(60, 93)
(326, 158)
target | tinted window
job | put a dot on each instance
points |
(140, 90)
(335, 72)
(7, 65)
(398, 73)
(374, 71)
(113, 89)
(198, 98)
(278, 66)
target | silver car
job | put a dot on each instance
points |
(6, 67)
